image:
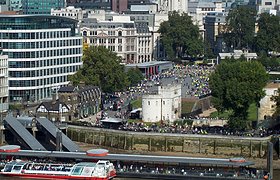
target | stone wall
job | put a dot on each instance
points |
(186, 143)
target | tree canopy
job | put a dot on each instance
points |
(180, 36)
(235, 86)
(240, 27)
(134, 76)
(102, 68)
(268, 36)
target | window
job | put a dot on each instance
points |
(149, 103)
(119, 33)
(163, 102)
(119, 48)
(268, 3)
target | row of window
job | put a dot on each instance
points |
(144, 50)
(65, 14)
(104, 41)
(3, 82)
(35, 35)
(44, 63)
(163, 103)
(38, 82)
(110, 33)
(47, 53)
(3, 62)
(44, 72)
(106, 26)
(41, 44)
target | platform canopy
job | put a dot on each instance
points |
(97, 152)
(9, 148)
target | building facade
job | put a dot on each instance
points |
(119, 5)
(70, 12)
(91, 4)
(164, 106)
(15, 5)
(199, 9)
(55, 111)
(264, 6)
(83, 101)
(71, 103)
(172, 5)
(214, 25)
(4, 90)
(43, 51)
(236, 54)
(118, 36)
(267, 106)
(41, 6)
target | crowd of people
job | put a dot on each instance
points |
(188, 129)
(200, 80)
(190, 171)
(195, 79)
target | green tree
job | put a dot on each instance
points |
(240, 27)
(236, 85)
(268, 36)
(270, 63)
(180, 36)
(134, 76)
(102, 68)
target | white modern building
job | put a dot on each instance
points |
(164, 106)
(70, 12)
(43, 50)
(198, 10)
(172, 5)
(4, 90)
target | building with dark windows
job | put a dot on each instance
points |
(41, 6)
(43, 50)
(90, 4)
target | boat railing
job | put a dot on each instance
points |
(46, 172)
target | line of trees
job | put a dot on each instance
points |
(243, 29)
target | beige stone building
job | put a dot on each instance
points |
(267, 106)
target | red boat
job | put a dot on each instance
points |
(102, 170)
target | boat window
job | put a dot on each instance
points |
(8, 168)
(17, 168)
(77, 171)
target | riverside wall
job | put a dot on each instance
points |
(231, 146)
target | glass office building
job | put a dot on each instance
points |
(43, 51)
(41, 6)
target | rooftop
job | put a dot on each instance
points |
(273, 85)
